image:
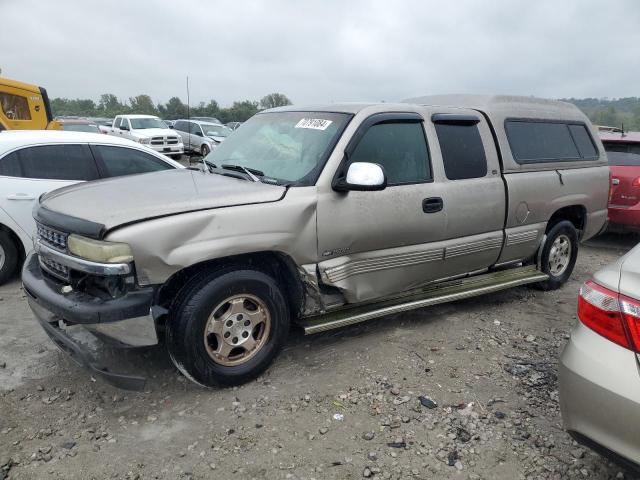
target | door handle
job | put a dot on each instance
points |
(432, 205)
(615, 181)
(20, 196)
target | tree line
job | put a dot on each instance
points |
(109, 106)
(611, 112)
(601, 111)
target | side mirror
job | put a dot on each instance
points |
(362, 176)
(124, 127)
(198, 134)
(171, 127)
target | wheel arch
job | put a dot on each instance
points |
(576, 214)
(276, 264)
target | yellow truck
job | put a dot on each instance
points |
(24, 107)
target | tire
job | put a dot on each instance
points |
(204, 150)
(175, 157)
(561, 237)
(194, 312)
(8, 257)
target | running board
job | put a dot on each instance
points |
(434, 294)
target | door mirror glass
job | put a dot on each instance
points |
(363, 176)
(124, 127)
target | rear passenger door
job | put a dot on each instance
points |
(32, 171)
(474, 189)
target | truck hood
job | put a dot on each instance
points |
(93, 208)
(154, 132)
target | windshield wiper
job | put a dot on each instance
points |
(251, 172)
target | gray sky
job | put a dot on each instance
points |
(322, 51)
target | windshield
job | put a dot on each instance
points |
(290, 147)
(143, 123)
(206, 119)
(80, 127)
(212, 130)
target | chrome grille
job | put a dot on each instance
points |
(52, 237)
(164, 141)
(54, 268)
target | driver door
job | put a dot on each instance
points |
(373, 243)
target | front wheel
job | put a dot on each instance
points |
(204, 150)
(227, 327)
(559, 255)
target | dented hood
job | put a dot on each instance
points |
(94, 208)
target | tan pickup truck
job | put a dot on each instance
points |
(322, 216)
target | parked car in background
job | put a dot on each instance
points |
(233, 125)
(79, 125)
(206, 119)
(599, 376)
(150, 131)
(607, 129)
(170, 123)
(327, 216)
(104, 124)
(35, 162)
(623, 152)
(201, 137)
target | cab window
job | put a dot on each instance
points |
(52, 162)
(14, 107)
(118, 161)
(400, 148)
(194, 129)
(462, 151)
(10, 165)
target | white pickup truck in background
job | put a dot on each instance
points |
(148, 130)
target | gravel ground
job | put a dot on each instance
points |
(463, 391)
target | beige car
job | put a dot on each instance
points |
(324, 217)
(599, 367)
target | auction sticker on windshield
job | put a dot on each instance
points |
(314, 123)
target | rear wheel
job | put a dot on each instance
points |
(559, 255)
(227, 327)
(8, 257)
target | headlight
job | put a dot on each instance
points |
(145, 141)
(99, 251)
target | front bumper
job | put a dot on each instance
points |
(168, 149)
(600, 393)
(125, 321)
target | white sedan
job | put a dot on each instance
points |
(33, 162)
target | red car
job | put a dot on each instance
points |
(623, 151)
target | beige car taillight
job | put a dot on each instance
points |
(614, 316)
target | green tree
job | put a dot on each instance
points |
(239, 111)
(143, 104)
(211, 109)
(109, 105)
(606, 116)
(274, 100)
(175, 109)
